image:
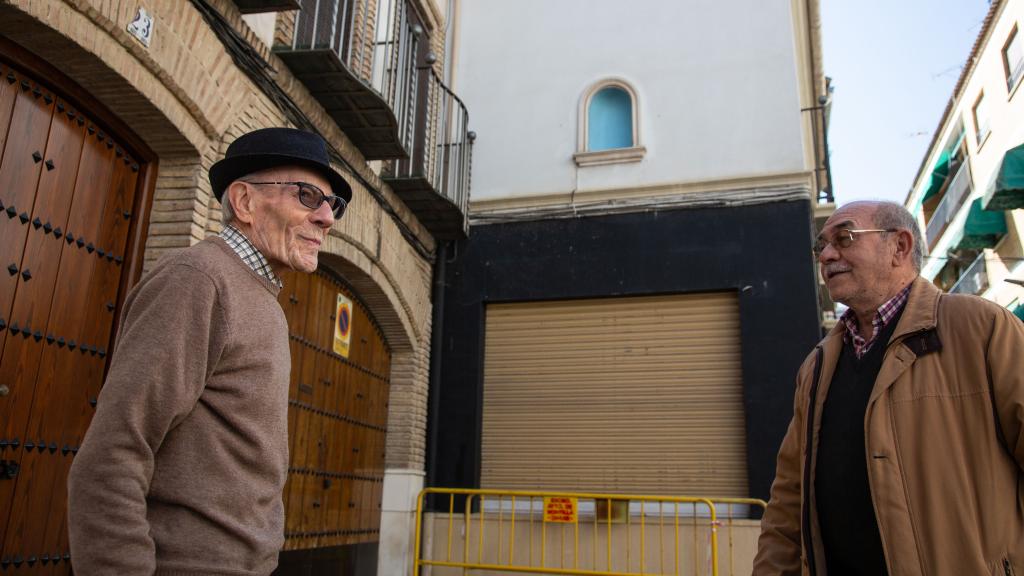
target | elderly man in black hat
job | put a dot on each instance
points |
(182, 469)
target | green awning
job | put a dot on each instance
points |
(1007, 192)
(938, 177)
(983, 228)
(1019, 312)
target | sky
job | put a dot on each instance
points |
(893, 64)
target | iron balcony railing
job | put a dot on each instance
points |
(378, 42)
(435, 179)
(974, 280)
(957, 191)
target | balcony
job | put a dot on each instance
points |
(358, 59)
(974, 280)
(982, 228)
(1007, 192)
(258, 6)
(434, 180)
(957, 191)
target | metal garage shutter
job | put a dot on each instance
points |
(627, 395)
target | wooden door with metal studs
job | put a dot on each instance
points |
(337, 415)
(67, 191)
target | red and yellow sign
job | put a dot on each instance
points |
(343, 326)
(559, 509)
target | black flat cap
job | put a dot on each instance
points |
(271, 147)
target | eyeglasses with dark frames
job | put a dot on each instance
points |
(312, 197)
(845, 238)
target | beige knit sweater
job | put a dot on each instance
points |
(182, 468)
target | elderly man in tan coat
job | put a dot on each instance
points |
(905, 449)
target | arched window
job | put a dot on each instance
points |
(610, 120)
(608, 125)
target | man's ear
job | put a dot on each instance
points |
(904, 246)
(242, 200)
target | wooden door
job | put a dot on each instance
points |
(67, 189)
(337, 417)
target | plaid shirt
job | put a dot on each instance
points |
(249, 254)
(886, 312)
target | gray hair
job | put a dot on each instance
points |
(893, 215)
(227, 212)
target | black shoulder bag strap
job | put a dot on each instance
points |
(805, 486)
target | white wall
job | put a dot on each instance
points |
(717, 84)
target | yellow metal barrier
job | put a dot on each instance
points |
(579, 534)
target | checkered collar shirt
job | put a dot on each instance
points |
(886, 312)
(249, 254)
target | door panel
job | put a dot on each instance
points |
(19, 176)
(337, 418)
(68, 189)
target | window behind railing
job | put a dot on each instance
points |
(958, 190)
(974, 280)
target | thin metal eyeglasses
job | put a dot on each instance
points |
(844, 239)
(312, 197)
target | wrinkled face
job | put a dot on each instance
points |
(860, 274)
(288, 233)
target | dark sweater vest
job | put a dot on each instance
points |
(849, 529)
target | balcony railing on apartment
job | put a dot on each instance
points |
(974, 280)
(358, 59)
(434, 180)
(957, 191)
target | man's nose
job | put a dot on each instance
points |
(829, 254)
(323, 216)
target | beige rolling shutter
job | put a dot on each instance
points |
(637, 395)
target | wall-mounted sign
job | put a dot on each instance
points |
(559, 509)
(142, 27)
(343, 326)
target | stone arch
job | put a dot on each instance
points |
(99, 57)
(410, 353)
(379, 300)
(100, 62)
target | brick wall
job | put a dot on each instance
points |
(187, 100)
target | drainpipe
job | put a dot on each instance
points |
(814, 41)
(436, 343)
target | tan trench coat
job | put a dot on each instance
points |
(944, 438)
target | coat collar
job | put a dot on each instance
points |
(919, 314)
(915, 336)
(919, 317)
(921, 310)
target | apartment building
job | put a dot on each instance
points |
(968, 193)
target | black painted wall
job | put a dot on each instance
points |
(762, 251)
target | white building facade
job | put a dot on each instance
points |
(637, 287)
